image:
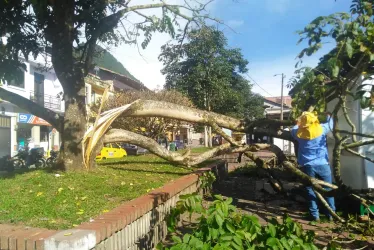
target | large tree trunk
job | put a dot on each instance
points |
(75, 124)
(71, 76)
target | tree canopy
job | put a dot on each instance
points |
(209, 72)
(339, 71)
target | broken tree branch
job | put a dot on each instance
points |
(120, 135)
(326, 205)
(348, 119)
(359, 155)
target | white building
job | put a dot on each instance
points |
(39, 84)
(272, 107)
(356, 172)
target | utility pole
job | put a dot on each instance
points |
(281, 114)
(283, 76)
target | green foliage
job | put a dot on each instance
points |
(337, 71)
(222, 227)
(202, 67)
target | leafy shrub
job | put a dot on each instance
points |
(222, 227)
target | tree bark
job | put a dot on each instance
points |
(74, 127)
(70, 74)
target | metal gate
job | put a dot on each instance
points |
(5, 144)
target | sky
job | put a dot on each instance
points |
(265, 31)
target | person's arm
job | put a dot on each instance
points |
(328, 126)
(294, 131)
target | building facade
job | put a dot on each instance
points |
(39, 84)
(356, 172)
(272, 107)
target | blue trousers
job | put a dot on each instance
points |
(322, 172)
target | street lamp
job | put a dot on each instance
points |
(283, 76)
(281, 114)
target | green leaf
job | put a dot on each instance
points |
(272, 242)
(214, 232)
(333, 67)
(359, 94)
(365, 102)
(349, 49)
(228, 201)
(285, 243)
(236, 246)
(176, 239)
(226, 237)
(186, 238)
(371, 56)
(218, 197)
(230, 227)
(335, 71)
(206, 246)
(272, 230)
(219, 220)
(237, 240)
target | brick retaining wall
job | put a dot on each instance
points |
(136, 224)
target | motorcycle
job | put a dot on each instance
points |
(25, 158)
(19, 160)
(6, 164)
(52, 160)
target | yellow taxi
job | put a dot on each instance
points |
(111, 151)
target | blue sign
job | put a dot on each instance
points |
(31, 119)
(24, 118)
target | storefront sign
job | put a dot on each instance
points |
(32, 119)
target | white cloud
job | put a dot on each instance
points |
(145, 65)
(235, 23)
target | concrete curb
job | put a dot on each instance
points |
(76, 239)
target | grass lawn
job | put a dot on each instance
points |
(199, 150)
(58, 200)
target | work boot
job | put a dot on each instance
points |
(314, 219)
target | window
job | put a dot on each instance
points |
(19, 79)
(44, 133)
(115, 145)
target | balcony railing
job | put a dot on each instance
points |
(47, 101)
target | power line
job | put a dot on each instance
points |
(258, 85)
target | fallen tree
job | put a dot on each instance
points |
(102, 133)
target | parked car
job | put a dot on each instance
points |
(111, 151)
(133, 149)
